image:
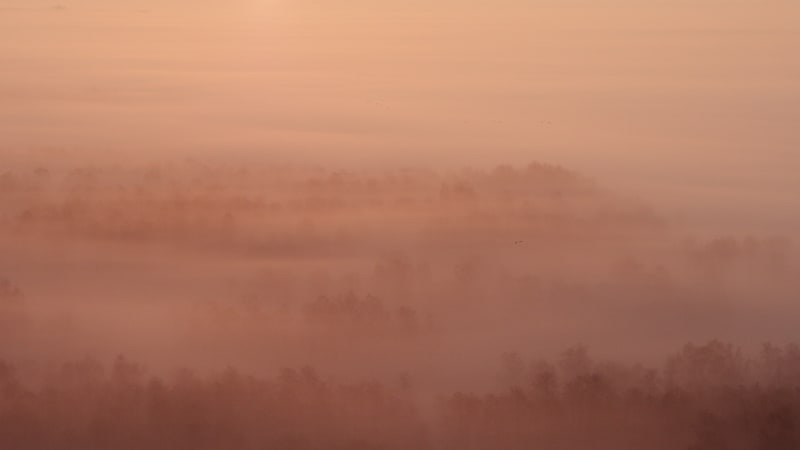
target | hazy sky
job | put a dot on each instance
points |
(676, 93)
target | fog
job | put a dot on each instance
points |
(363, 225)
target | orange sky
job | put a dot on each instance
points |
(672, 92)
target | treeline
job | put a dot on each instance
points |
(705, 397)
(275, 209)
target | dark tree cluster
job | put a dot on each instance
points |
(367, 316)
(84, 405)
(707, 397)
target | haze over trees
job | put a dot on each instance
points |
(197, 305)
(399, 224)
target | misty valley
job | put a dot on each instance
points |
(205, 305)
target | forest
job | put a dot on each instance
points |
(199, 305)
